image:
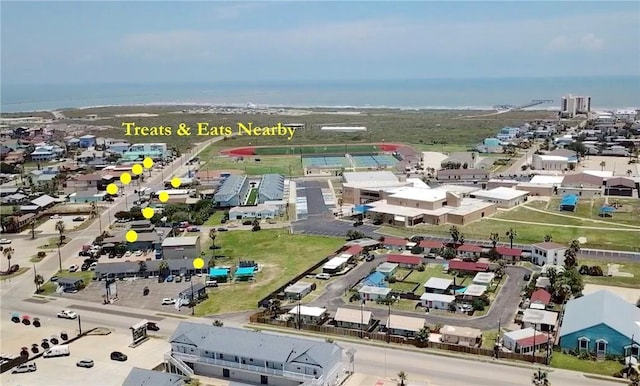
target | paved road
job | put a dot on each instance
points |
(502, 310)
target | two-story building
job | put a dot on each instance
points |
(252, 356)
(548, 253)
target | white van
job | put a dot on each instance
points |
(57, 351)
(211, 283)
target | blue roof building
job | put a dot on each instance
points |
(271, 188)
(602, 323)
(375, 279)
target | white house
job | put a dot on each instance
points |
(257, 211)
(334, 265)
(404, 325)
(437, 301)
(387, 269)
(550, 162)
(438, 285)
(548, 253)
(503, 197)
(374, 293)
(308, 315)
(523, 341)
(484, 278)
(539, 319)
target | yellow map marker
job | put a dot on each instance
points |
(175, 182)
(148, 212)
(147, 163)
(198, 263)
(125, 178)
(131, 236)
(137, 169)
(163, 196)
(112, 189)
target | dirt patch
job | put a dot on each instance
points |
(629, 294)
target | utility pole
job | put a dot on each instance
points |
(362, 319)
(59, 254)
(497, 346)
(79, 325)
(193, 304)
(299, 312)
(533, 352)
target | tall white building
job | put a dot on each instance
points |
(571, 105)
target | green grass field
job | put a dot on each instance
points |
(570, 362)
(323, 149)
(285, 165)
(617, 281)
(282, 255)
(590, 208)
(253, 197)
(532, 227)
(435, 129)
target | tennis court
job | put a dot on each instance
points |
(325, 162)
(373, 161)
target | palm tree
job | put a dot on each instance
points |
(571, 254)
(540, 378)
(494, 239)
(548, 238)
(602, 165)
(423, 335)
(511, 234)
(8, 253)
(163, 267)
(38, 281)
(212, 235)
(456, 235)
(60, 228)
(403, 377)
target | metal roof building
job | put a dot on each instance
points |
(232, 191)
(271, 188)
(143, 377)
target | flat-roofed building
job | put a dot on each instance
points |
(438, 285)
(308, 315)
(502, 197)
(404, 325)
(334, 265)
(539, 319)
(181, 247)
(387, 269)
(374, 293)
(232, 192)
(484, 278)
(524, 340)
(437, 301)
(550, 162)
(298, 290)
(475, 291)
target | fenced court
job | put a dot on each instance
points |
(336, 162)
(373, 161)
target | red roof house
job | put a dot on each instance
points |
(394, 242)
(405, 260)
(431, 244)
(511, 253)
(469, 248)
(467, 266)
(541, 296)
(354, 250)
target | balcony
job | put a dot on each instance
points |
(236, 365)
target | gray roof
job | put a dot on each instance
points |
(271, 187)
(230, 187)
(180, 241)
(253, 344)
(134, 266)
(143, 377)
(602, 307)
(43, 200)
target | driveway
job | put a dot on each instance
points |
(312, 191)
(318, 225)
(503, 308)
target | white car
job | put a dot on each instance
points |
(323, 276)
(5, 241)
(67, 314)
(167, 301)
(73, 268)
(138, 253)
(55, 217)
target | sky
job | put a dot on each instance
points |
(146, 42)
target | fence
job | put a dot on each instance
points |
(264, 318)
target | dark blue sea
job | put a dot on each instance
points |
(606, 93)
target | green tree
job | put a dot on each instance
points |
(60, 227)
(402, 376)
(423, 335)
(571, 255)
(511, 234)
(456, 235)
(38, 281)
(548, 238)
(212, 235)
(540, 378)
(8, 253)
(494, 237)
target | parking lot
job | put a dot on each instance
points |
(49, 226)
(317, 225)
(106, 372)
(130, 293)
(17, 335)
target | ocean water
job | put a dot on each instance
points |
(606, 93)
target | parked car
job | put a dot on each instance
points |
(151, 326)
(73, 268)
(67, 314)
(247, 222)
(169, 279)
(178, 279)
(79, 218)
(187, 278)
(193, 229)
(222, 230)
(167, 301)
(85, 267)
(55, 217)
(323, 276)
(138, 253)
(370, 258)
(54, 279)
(25, 368)
(86, 363)
(5, 241)
(118, 356)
